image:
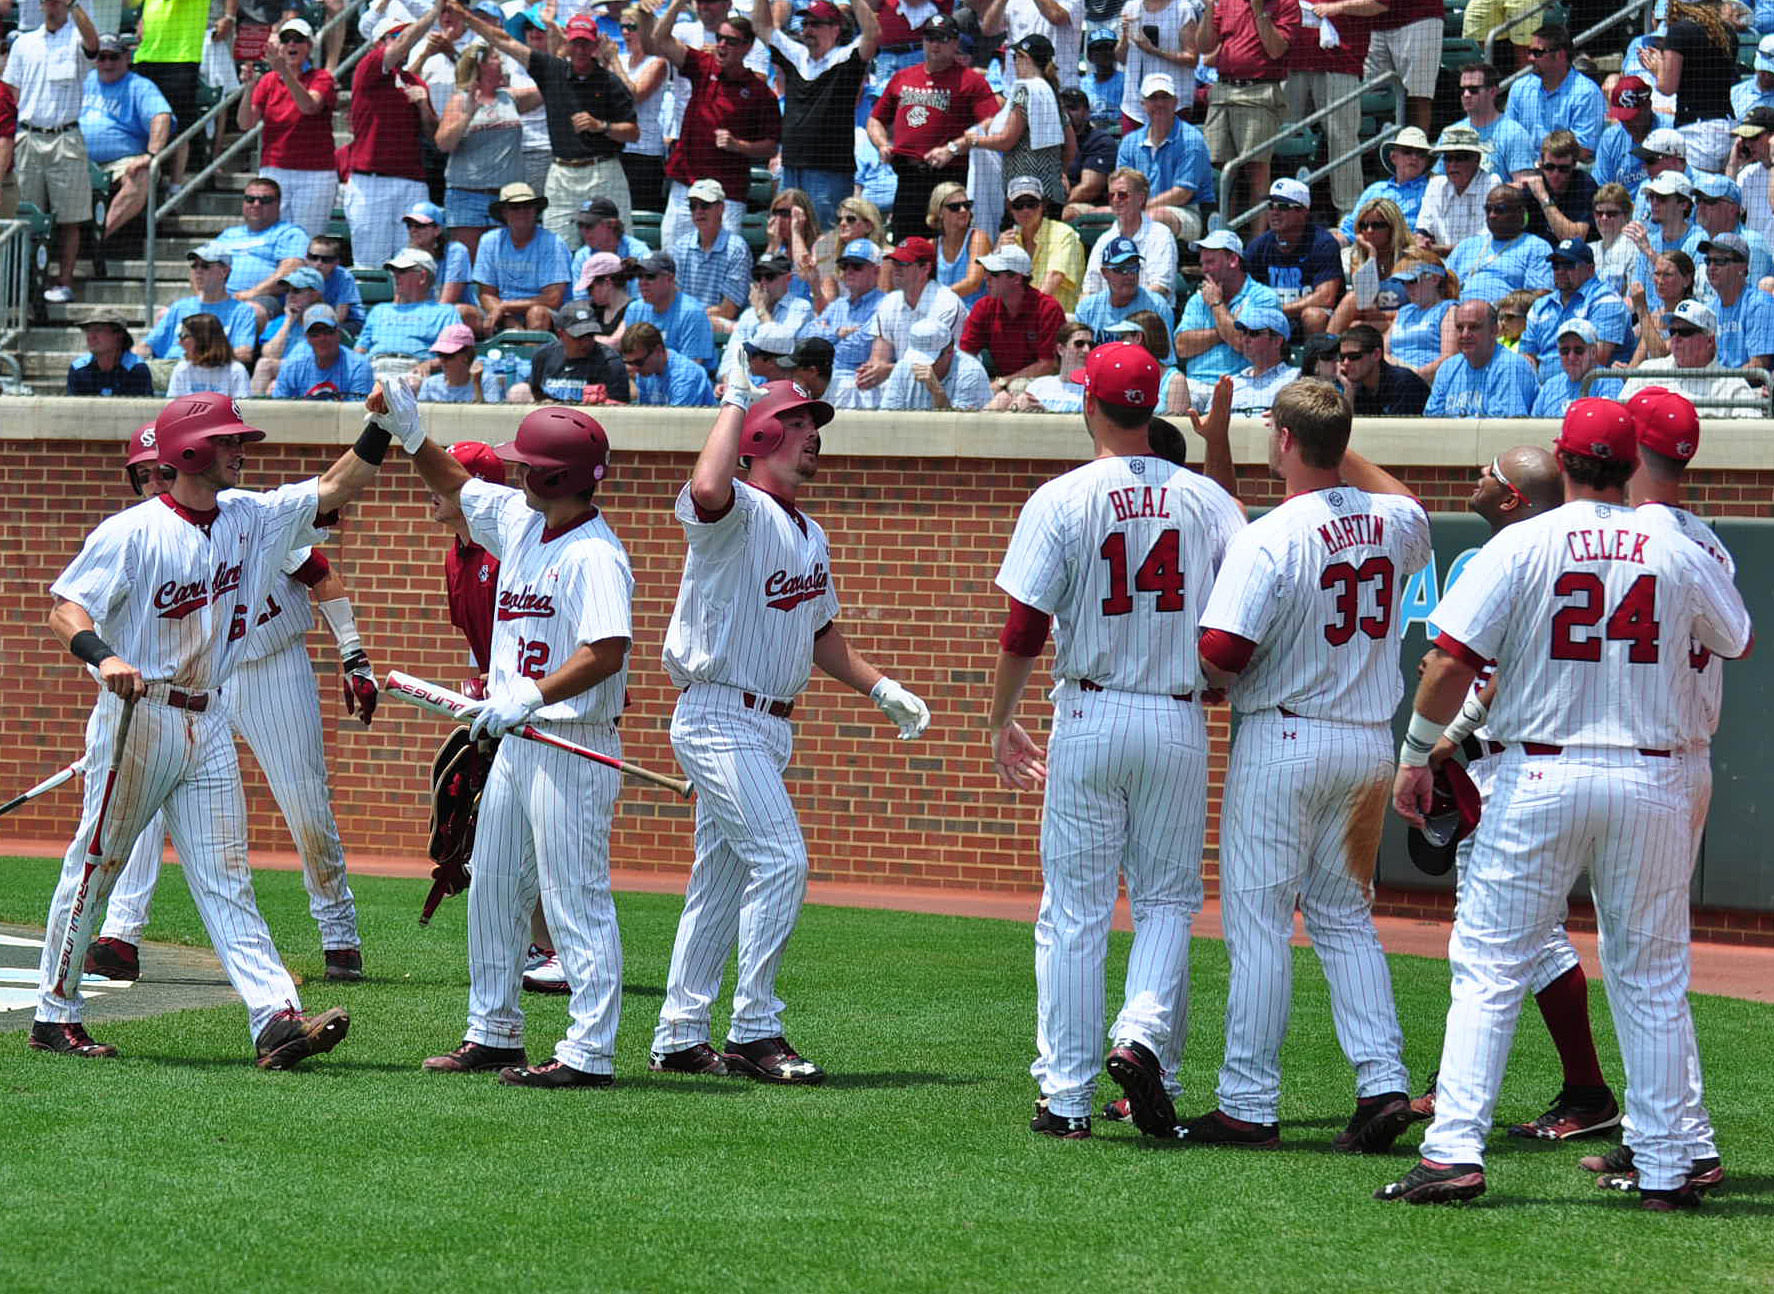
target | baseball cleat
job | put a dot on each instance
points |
(292, 1037)
(543, 972)
(69, 1039)
(1376, 1123)
(1576, 1113)
(1136, 1069)
(1617, 1160)
(1423, 1107)
(1116, 1111)
(1703, 1174)
(1432, 1183)
(344, 964)
(1064, 1127)
(699, 1059)
(114, 959)
(1682, 1197)
(475, 1058)
(771, 1060)
(1218, 1129)
(553, 1073)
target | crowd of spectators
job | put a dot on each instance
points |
(963, 198)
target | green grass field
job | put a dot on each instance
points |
(182, 1166)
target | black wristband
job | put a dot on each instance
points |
(89, 647)
(372, 445)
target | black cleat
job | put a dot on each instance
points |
(68, 1040)
(1217, 1129)
(1431, 1183)
(475, 1058)
(1576, 1113)
(697, 1059)
(1376, 1123)
(1065, 1127)
(552, 1073)
(114, 959)
(344, 965)
(1134, 1066)
(771, 1060)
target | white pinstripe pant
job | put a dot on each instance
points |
(545, 826)
(181, 764)
(750, 877)
(1126, 795)
(1305, 802)
(308, 197)
(274, 704)
(1629, 819)
(373, 206)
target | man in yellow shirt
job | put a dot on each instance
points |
(170, 52)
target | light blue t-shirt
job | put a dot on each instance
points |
(1180, 160)
(1761, 262)
(115, 118)
(1557, 392)
(684, 326)
(1746, 95)
(238, 321)
(849, 349)
(1578, 105)
(351, 374)
(436, 389)
(297, 345)
(516, 273)
(339, 290)
(1105, 99)
(1594, 301)
(1512, 149)
(682, 384)
(455, 268)
(1220, 359)
(1614, 162)
(1097, 312)
(257, 255)
(1745, 329)
(1416, 333)
(393, 329)
(1492, 270)
(1409, 198)
(1504, 388)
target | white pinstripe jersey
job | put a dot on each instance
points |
(1705, 692)
(1588, 612)
(172, 596)
(287, 613)
(1122, 553)
(757, 586)
(1315, 583)
(556, 593)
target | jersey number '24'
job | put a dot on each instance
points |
(1633, 620)
(1161, 572)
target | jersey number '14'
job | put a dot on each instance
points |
(1161, 572)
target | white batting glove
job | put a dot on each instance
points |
(403, 415)
(741, 394)
(505, 710)
(902, 706)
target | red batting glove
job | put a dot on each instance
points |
(475, 689)
(361, 692)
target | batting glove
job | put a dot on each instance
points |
(475, 689)
(361, 692)
(901, 706)
(741, 394)
(505, 710)
(403, 415)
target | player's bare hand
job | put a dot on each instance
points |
(1442, 751)
(376, 402)
(1019, 762)
(1412, 791)
(1216, 425)
(119, 676)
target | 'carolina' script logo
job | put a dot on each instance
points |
(785, 592)
(520, 604)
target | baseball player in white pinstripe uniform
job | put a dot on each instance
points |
(1302, 629)
(756, 610)
(174, 582)
(1591, 618)
(1118, 558)
(561, 635)
(1517, 484)
(274, 705)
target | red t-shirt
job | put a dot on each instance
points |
(1406, 12)
(471, 576)
(1015, 340)
(747, 107)
(8, 111)
(1350, 55)
(922, 110)
(895, 30)
(1242, 56)
(385, 128)
(291, 140)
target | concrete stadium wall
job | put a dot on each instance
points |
(918, 507)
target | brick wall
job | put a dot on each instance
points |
(916, 542)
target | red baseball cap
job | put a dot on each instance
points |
(480, 460)
(823, 11)
(1631, 96)
(582, 26)
(913, 250)
(1600, 429)
(1122, 373)
(1667, 425)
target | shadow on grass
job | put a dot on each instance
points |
(902, 1078)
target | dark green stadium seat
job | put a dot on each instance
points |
(519, 343)
(1092, 227)
(763, 190)
(375, 285)
(755, 230)
(644, 225)
(1300, 146)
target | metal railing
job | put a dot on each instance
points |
(1490, 37)
(1642, 7)
(194, 183)
(1757, 377)
(17, 252)
(1386, 80)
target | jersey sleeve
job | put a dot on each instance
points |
(720, 536)
(1474, 612)
(101, 572)
(1034, 567)
(1721, 621)
(298, 557)
(488, 509)
(1247, 591)
(1412, 523)
(605, 590)
(287, 517)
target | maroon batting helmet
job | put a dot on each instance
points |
(763, 421)
(141, 454)
(1453, 814)
(185, 431)
(564, 449)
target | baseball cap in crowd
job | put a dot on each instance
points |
(1263, 318)
(1667, 424)
(1765, 55)
(1411, 272)
(927, 340)
(822, 11)
(576, 319)
(304, 277)
(1392, 293)
(582, 26)
(1731, 245)
(1120, 328)
(599, 264)
(813, 352)
(707, 190)
(411, 258)
(1013, 260)
(1122, 250)
(594, 211)
(1662, 142)
(770, 266)
(388, 25)
(1580, 328)
(456, 337)
(424, 213)
(1710, 184)
(861, 249)
(1037, 47)
(1124, 374)
(658, 263)
(1601, 429)
(909, 252)
(525, 20)
(1220, 240)
(109, 44)
(1572, 251)
(1631, 96)
(1460, 139)
(1158, 83)
(1024, 186)
(1696, 314)
(515, 194)
(211, 254)
(319, 315)
(1670, 183)
(1757, 121)
(774, 338)
(1288, 191)
(941, 27)
(1101, 36)
(297, 25)
(478, 456)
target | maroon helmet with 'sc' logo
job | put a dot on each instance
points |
(565, 450)
(185, 431)
(763, 421)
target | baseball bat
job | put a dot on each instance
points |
(46, 785)
(95, 852)
(441, 700)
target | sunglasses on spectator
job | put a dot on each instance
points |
(855, 265)
(323, 258)
(1281, 204)
(1499, 208)
(110, 58)
(965, 204)
(730, 42)
(1677, 330)
(628, 26)
(1725, 258)
(850, 218)
(1575, 348)
(1133, 268)
(259, 199)
(1540, 53)
(1473, 89)
(295, 38)
(1350, 356)
(1027, 204)
(1558, 166)
(1371, 225)
(702, 204)
(649, 277)
(782, 213)
(766, 276)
